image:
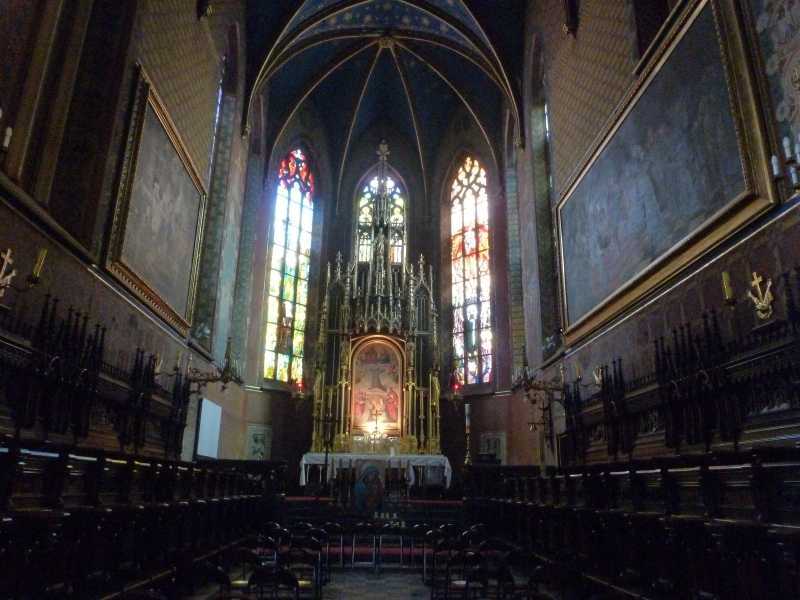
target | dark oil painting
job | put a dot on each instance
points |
(163, 217)
(668, 169)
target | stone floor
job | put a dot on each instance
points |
(364, 584)
(360, 584)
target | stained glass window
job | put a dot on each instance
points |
(470, 274)
(397, 220)
(287, 291)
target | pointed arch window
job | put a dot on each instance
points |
(470, 273)
(290, 256)
(397, 219)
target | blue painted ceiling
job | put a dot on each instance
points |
(410, 63)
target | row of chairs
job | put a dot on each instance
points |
(467, 563)
(363, 543)
(268, 567)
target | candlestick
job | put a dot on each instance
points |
(39, 264)
(727, 289)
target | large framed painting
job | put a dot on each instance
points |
(682, 166)
(158, 220)
(377, 389)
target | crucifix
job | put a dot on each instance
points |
(375, 412)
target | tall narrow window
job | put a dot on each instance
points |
(289, 267)
(217, 111)
(397, 219)
(470, 274)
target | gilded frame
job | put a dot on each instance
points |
(753, 137)
(145, 96)
(396, 348)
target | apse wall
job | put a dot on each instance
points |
(584, 78)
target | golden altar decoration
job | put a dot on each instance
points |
(376, 378)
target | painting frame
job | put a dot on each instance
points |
(259, 441)
(395, 348)
(131, 276)
(752, 134)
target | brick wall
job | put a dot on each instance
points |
(586, 75)
(180, 56)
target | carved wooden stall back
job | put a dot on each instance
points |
(723, 524)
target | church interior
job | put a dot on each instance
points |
(292, 302)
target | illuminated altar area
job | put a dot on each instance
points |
(376, 383)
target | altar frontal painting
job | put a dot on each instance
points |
(377, 388)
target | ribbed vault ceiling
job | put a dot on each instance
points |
(411, 62)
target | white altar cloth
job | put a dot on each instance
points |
(403, 461)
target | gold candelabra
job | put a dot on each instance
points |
(228, 374)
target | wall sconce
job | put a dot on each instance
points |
(727, 290)
(7, 276)
(528, 382)
(229, 373)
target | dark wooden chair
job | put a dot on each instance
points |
(304, 565)
(364, 538)
(336, 535)
(466, 576)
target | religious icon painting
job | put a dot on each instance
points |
(377, 391)
(369, 486)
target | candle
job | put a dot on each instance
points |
(787, 148)
(794, 176)
(39, 264)
(7, 137)
(776, 166)
(727, 290)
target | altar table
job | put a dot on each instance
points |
(347, 460)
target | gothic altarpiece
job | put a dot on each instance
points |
(376, 387)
